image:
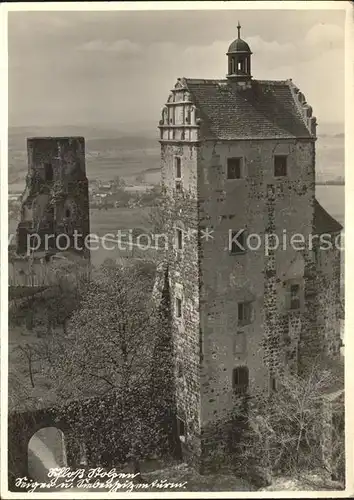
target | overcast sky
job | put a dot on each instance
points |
(116, 67)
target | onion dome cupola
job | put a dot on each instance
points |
(239, 59)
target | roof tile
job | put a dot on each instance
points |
(265, 110)
(323, 222)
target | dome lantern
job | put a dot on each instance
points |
(239, 59)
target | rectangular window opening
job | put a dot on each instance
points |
(294, 297)
(178, 167)
(234, 168)
(240, 380)
(280, 166)
(238, 242)
(244, 313)
(179, 239)
(178, 307)
(48, 172)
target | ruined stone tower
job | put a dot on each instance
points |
(55, 204)
(238, 169)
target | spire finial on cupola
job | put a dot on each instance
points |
(238, 30)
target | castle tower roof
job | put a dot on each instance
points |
(265, 109)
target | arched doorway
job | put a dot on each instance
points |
(46, 450)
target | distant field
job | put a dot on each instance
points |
(128, 157)
(106, 157)
(111, 220)
(103, 222)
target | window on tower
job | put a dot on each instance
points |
(179, 239)
(188, 116)
(237, 242)
(295, 297)
(178, 307)
(178, 173)
(48, 172)
(179, 370)
(273, 384)
(181, 429)
(178, 167)
(244, 313)
(234, 170)
(239, 342)
(240, 380)
(280, 166)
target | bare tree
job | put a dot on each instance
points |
(108, 354)
(101, 370)
(285, 428)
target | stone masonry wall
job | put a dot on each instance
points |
(181, 210)
(263, 204)
(60, 205)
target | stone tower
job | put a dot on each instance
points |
(55, 203)
(238, 170)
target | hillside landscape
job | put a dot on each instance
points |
(128, 152)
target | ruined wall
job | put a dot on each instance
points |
(55, 199)
(42, 271)
(261, 204)
(25, 273)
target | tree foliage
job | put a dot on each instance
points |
(104, 370)
(109, 336)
